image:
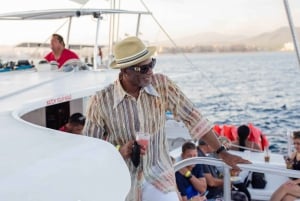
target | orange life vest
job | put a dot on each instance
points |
(230, 132)
(257, 136)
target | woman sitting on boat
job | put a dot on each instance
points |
(243, 141)
(290, 190)
(247, 136)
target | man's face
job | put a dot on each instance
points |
(190, 153)
(141, 73)
(55, 43)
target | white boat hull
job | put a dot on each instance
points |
(38, 163)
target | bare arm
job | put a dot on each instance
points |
(211, 139)
(199, 183)
(212, 181)
(230, 159)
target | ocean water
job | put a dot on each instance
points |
(237, 88)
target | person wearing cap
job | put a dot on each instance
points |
(59, 53)
(137, 102)
(75, 124)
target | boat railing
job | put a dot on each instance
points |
(245, 148)
(226, 170)
(209, 161)
(274, 170)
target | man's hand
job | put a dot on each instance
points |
(232, 160)
(183, 170)
(126, 149)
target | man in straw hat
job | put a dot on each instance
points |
(137, 102)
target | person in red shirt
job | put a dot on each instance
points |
(59, 53)
(75, 124)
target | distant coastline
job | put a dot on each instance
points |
(211, 48)
(277, 40)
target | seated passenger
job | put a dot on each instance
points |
(75, 124)
(215, 181)
(190, 180)
(290, 190)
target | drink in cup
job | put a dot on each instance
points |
(288, 161)
(143, 138)
(267, 155)
(267, 158)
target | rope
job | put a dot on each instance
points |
(192, 64)
(246, 148)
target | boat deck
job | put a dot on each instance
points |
(44, 164)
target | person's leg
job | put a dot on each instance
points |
(285, 189)
(278, 194)
(289, 198)
(293, 190)
(150, 193)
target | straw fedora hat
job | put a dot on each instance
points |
(129, 52)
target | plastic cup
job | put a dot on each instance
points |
(267, 158)
(267, 155)
(288, 161)
(143, 138)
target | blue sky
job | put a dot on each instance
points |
(178, 17)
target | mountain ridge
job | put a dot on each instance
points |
(273, 40)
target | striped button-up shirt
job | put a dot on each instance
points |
(116, 116)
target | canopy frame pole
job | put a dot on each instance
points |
(292, 28)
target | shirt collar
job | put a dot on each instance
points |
(120, 93)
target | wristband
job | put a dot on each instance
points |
(118, 147)
(221, 149)
(188, 174)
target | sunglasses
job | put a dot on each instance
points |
(143, 69)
